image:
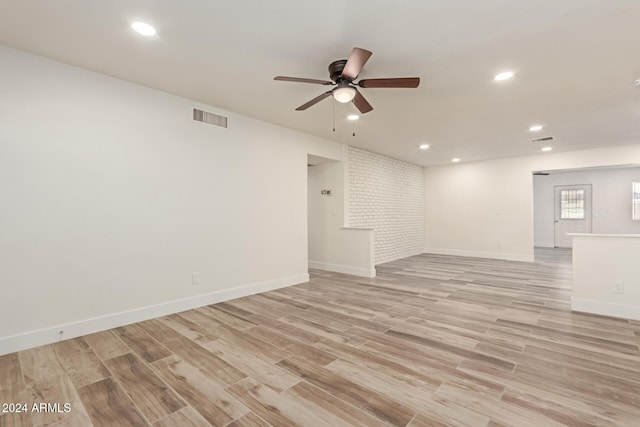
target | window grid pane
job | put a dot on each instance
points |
(572, 204)
(635, 201)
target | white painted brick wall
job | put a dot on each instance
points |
(387, 195)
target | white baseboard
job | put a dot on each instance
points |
(356, 271)
(478, 254)
(544, 245)
(401, 257)
(50, 335)
(624, 311)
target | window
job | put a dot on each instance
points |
(635, 201)
(572, 204)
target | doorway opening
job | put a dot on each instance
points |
(583, 200)
(324, 203)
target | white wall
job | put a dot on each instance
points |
(333, 247)
(111, 196)
(611, 201)
(605, 275)
(387, 195)
(543, 206)
(485, 209)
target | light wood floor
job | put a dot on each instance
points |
(432, 341)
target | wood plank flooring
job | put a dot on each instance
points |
(432, 341)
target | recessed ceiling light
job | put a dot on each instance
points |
(424, 146)
(547, 148)
(504, 76)
(535, 128)
(143, 28)
(455, 160)
(353, 117)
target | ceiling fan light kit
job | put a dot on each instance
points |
(343, 74)
(344, 94)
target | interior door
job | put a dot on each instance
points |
(572, 212)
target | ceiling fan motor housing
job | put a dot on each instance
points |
(335, 69)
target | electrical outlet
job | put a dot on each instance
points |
(618, 288)
(195, 278)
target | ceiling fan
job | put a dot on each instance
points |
(343, 73)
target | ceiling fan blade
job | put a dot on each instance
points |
(302, 80)
(410, 82)
(361, 103)
(356, 61)
(314, 101)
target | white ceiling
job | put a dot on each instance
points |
(575, 63)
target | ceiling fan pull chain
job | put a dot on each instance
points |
(354, 128)
(333, 107)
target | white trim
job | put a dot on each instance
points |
(345, 185)
(635, 236)
(394, 258)
(479, 254)
(356, 271)
(543, 245)
(50, 335)
(624, 311)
